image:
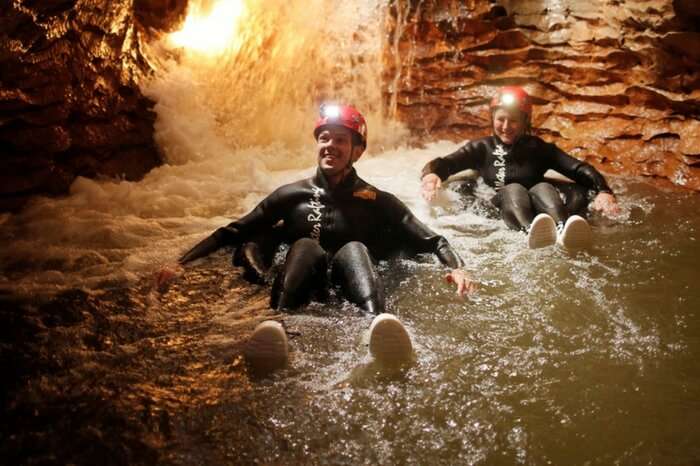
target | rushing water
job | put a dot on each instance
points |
(561, 358)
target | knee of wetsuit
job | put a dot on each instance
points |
(513, 188)
(306, 256)
(543, 187)
(352, 256)
(545, 195)
(305, 243)
(285, 299)
(514, 196)
(352, 247)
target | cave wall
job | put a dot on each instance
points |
(69, 99)
(614, 82)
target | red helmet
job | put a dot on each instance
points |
(512, 97)
(342, 115)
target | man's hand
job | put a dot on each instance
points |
(167, 273)
(606, 204)
(430, 184)
(465, 283)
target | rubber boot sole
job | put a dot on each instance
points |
(542, 233)
(389, 342)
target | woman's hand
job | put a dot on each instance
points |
(167, 273)
(430, 184)
(606, 204)
(465, 283)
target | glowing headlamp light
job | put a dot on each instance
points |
(507, 99)
(330, 111)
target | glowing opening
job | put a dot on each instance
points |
(210, 31)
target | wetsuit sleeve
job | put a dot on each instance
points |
(469, 156)
(419, 237)
(579, 171)
(262, 218)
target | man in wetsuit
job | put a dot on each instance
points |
(337, 222)
(514, 163)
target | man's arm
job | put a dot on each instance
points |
(263, 216)
(205, 247)
(259, 221)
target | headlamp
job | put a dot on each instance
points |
(330, 111)
(507, 99)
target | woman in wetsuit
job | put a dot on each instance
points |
(514, 162)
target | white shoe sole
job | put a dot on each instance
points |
(267, 349)
(543, 232)
(576, 233)
(389, 342)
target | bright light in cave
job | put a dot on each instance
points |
(212, 30)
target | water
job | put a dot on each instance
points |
(561, 358)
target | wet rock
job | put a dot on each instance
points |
(160, 14)
(69, 96)
(618, 82)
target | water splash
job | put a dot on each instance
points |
(524, 373)
(267, 82)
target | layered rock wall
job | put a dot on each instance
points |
(615, 82)
(69, 98)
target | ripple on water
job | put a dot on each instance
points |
(558, 353)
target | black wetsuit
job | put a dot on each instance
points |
(517, 172)
(345, 227)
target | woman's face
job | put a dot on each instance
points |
(508, 124)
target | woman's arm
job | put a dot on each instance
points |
(586, 175)
(469, 156)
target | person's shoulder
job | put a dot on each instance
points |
(389, 201)
(536, 140)
(297, 185)
(361, 189)
(365, 191)
(290, 191)
(478, 146)
(483, 141)
(533, 142)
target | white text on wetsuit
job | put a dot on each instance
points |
(316, 213)
(500, 163)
